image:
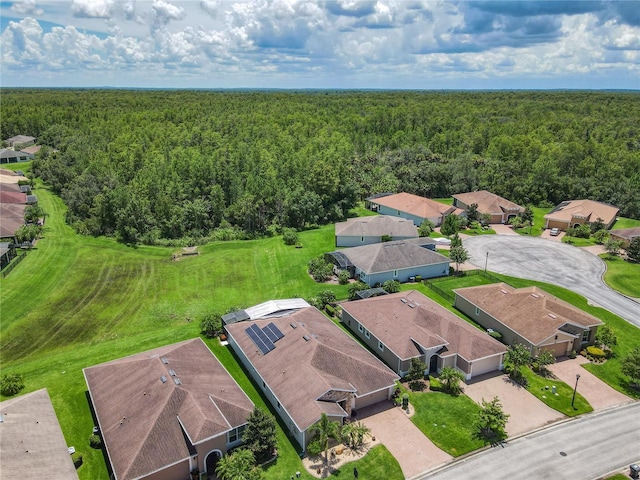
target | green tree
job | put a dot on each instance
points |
(326, 429)
(518, 355)
(355, 433)
(458, 255)
(211, 325)
(527, 215)
(597, 226)
(633, 250)
(290, 236)
(416, 370)
(491, 422)
(33, 213)
(320, 269)
(425, 228)
(324, 298)
(613, 247)
(601, 236)
(27, 233)
(11, 384)
(260, 434)
(239, 465)
(391, 286)
(544, 359)
(356, 287)
(606, 337)
(451, 225)
(472, 213)
(451, 378)
(456, 241)
(631, 366)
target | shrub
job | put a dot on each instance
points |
(330, 310)
(418, 278)
(343, 277)
(435, 384)
(211, 325)
(595, 352)
(386, 238)
(496, 335)
(320, 269)
(11, 384)
(416, 385)
(573, 354)
(290, 236)
(95, 442)
(405, 401)
(314, 448)
(77, 459)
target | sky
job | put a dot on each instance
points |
(336, 44)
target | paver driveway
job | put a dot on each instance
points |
(415, 452)
(551, 262)
(526, 411)
(598, 394)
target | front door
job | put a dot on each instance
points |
(211, 463)
(433, 364)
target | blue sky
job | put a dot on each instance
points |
(387, 44)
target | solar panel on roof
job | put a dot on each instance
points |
(270, 334)
(259, 342)
(275, 330)
(263, 336)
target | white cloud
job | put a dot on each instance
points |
(26, 7)
(166, 11)
(93, 8)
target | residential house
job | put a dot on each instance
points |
(7, 253)
(529, 316)
(625, 235)
(20, 141)
(12, 216)
(306, 366)
(412, 207)
(7, 196)
(32, 150)
(406, 325)
(270, 308)
(8, 155)
(400, 260)
(32, 445)
(500, 210)
(167, 412)
(574, 213)
(373, 229)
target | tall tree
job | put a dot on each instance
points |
(451, 225)
(491, 422)
(458, 255)
(518, 355)
(326, 429)
(451, 378)
(633, 250)
(631, 366)
(260, 434)
(606, 337)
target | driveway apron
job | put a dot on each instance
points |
(392, 427)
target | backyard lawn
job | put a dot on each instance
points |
(538, 222)
(622, 275)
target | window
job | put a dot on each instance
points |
(360, 328)
(381, 346)
(362, 239)
(395, 274)
(477, 310)
(367, 333)
(585, 335)
(278, 405)
(235, 435)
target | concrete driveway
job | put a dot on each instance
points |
(392, 427)
(525, 411)
(551, 262)
(598, 394)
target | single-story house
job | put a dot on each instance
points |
(8, 155)
(625, 235)
(529, 316)
(31, 442)
(413, 207)
(406, 325)
(12, 197)
(306, 365)
(400, 260)
(20, 141)
(373, 229)
(12, 216)
(498, 208)
(32, 150)
(11, 187)
(167, 412)
(574, 213)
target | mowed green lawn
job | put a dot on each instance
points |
(622, 275)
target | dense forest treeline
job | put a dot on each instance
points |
(149, 165)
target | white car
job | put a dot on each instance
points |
(442, 240)
(555, 232)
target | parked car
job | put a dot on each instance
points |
(555, 232)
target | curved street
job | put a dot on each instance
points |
(551, 262)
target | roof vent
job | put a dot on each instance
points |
(164, 360)
(172, 373)
(403, 300)
(306, 338)
(177, 381)
(551, 315)
(503, 291)
(163, 379)
(293, 325)
(410, 305)
(534, 295)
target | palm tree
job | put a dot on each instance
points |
(355, 433)
(326, 429)
(236, 465)
(451, 379)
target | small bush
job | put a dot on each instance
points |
(77, 459)
(416, 385)
(343, 277)
(573, 354)
(95, 442)
(314, 448)
(496, 335)
(435, 384)
(11, 384)
(290, 236)
(405, 401)
(596, 353)
(330, 310)
(418, 278)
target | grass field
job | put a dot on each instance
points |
(538, 222)
(542, 388)
(623, 222)
(622, 275)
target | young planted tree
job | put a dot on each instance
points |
(211, 325)
(472, 213)
(527, 215)
(491, 422)
(458, 255)
(239, 465)
(631, 366)
(391, 286)
(544, 359)
(451, 378)
(326, 429)
(450, 225)
(456, 241)
(518, 355)
(425, 229)
(613, 247)
(354, 288)
(606, 338)
(416, 370)
(260, 434)
(355, 434)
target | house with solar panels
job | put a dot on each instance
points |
(306, 365)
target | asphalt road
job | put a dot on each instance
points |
(551, 262)
(586, 447)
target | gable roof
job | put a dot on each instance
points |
(145, 421)
(530, 312)
(405, 320)
(588, 209)
(31, 442)
(20, 139)
(626, 233)
(376, 226)
(395, 255)
(488, 202)
(415, 205)
(12, 216)
(300, 371)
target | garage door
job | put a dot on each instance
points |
(485, 365)
(558, 349)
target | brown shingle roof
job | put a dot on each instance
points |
(376, 226)
(626, 233)
(530, 312)
(11, 218)
(488, 202)
(299, 371)
(400, 319)
(415, 205)
(12, 197)
(31, 442)
(395, 255)
(140, 415)
(588, 209)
